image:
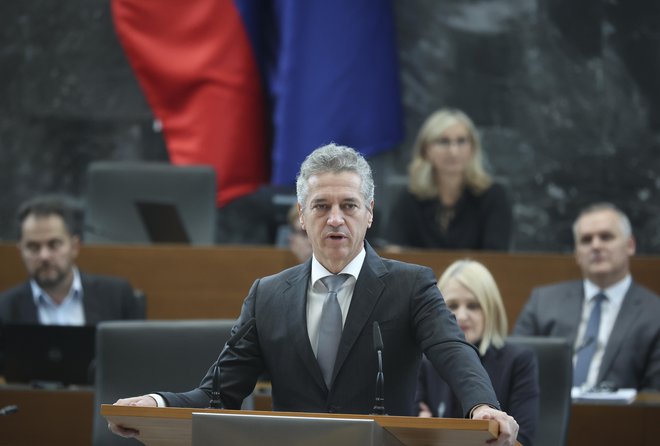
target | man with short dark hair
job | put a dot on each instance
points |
(612, 321)
(57, 293)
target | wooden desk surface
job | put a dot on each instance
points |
(64, 417)
(183, 282)
(173, 426)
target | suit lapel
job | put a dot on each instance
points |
(368, 290)
(572, 306)
(294, 298)
(628, 314)
(90, 305)
(27, 310)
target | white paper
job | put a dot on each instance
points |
(621, 396)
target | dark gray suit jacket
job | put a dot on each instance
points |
(104, 298)
(632, 353)
(413, 318)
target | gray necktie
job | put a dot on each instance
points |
(330, 326)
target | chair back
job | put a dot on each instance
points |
(555, 380)
(150, 202)
(138, 357)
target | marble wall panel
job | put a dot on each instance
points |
(565, 94)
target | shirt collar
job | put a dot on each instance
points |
(353, 268)
(38, 294)
(614, 293)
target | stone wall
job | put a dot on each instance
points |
(565, 94)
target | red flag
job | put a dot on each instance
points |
(195, 65)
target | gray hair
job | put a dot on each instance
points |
(624, 222)
(332, 158)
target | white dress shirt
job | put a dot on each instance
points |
(69, 312)
(609, 312)
(316, 292)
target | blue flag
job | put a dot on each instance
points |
(331, 74)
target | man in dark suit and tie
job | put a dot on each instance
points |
(297, 311)
(57, 293)
(613, 322)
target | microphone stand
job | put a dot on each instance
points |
(379, 406)
(216, 402)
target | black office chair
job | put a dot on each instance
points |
(555, 359)
(138, 357)
(150, 202)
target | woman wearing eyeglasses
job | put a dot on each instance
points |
(451, 202)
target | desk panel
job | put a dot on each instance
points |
(64, 417)
(630, 425)
(185, 282)
(47, 417)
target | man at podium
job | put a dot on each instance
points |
(314, 327)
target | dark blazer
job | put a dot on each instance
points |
(481, 222)
(632, 353)
(413, 319)
(513, 370)
(104, 298)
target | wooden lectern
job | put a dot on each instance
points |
(174, 426)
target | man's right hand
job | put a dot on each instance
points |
(143, 401)
(424, 410)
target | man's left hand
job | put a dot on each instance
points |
(508, 426)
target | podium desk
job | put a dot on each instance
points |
(53, 417)
(170, 426)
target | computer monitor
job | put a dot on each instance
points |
(150, 202)
(278, 430)
(162, 222)
(48, 355)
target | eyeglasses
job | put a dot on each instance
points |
(446, 143)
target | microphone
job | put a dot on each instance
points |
(216, 402)
(379, 406)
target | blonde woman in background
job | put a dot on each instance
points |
(451, 202)
(472, 295)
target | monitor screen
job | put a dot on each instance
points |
(48, 354)
(150, 202)
(162, 222)
(275, 430)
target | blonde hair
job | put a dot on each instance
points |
(479, 281)
(422, 176)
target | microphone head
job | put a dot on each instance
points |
(378, 339)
